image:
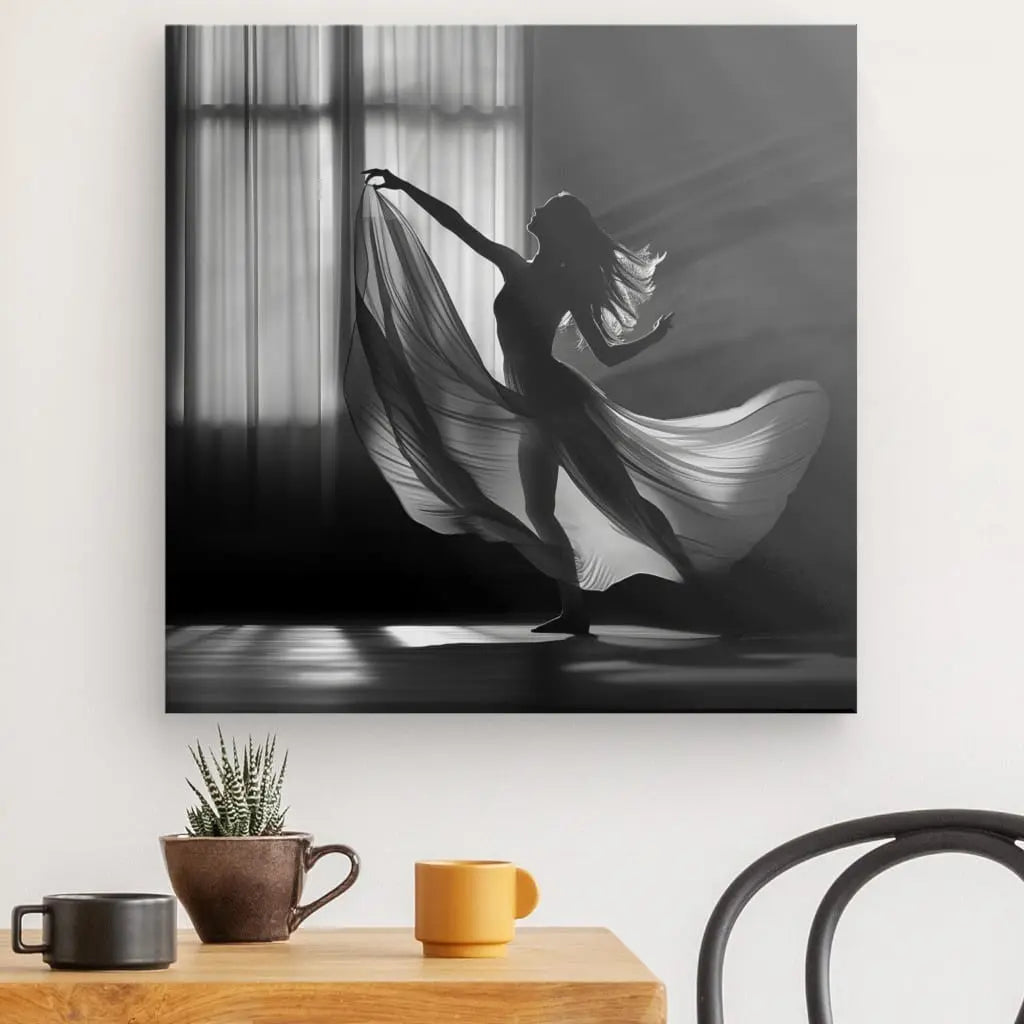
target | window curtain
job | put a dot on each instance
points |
(258, 150)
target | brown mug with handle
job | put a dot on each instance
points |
(248, 888)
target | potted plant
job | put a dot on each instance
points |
(236, 870)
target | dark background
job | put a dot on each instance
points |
(734, 149)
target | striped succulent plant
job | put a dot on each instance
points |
(243, 798)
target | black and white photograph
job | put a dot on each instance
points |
(511, 368)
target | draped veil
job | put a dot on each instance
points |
(445, 434)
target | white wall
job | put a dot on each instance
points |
(632, 822)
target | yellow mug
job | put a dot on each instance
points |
(468, 908)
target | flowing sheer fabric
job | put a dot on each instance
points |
(445, 435)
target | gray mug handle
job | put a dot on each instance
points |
(18, 914)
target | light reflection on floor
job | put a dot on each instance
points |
(627, 636)
(435, 636)
(498, 666)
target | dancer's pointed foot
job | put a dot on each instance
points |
(573, 623)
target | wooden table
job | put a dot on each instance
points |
(353, 976)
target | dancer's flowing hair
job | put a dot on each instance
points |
(607, 280)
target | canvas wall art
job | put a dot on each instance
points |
(511, 368)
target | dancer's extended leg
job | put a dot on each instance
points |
(592, 461)
(538, 468)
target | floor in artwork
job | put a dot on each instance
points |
(500, 667)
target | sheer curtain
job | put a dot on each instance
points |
(253, 330)
(445, 107)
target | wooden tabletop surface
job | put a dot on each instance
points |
(366, 975)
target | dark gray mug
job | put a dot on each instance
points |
(102, 931)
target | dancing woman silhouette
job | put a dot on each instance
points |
(587, 490)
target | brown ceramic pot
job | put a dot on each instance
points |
(247, 888)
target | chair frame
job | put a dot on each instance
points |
(911, 834)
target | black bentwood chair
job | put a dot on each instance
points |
(912, 834)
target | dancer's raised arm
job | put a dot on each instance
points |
(504, 258)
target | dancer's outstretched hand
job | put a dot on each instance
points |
(389, 180)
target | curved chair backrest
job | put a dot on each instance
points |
(989, 834)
